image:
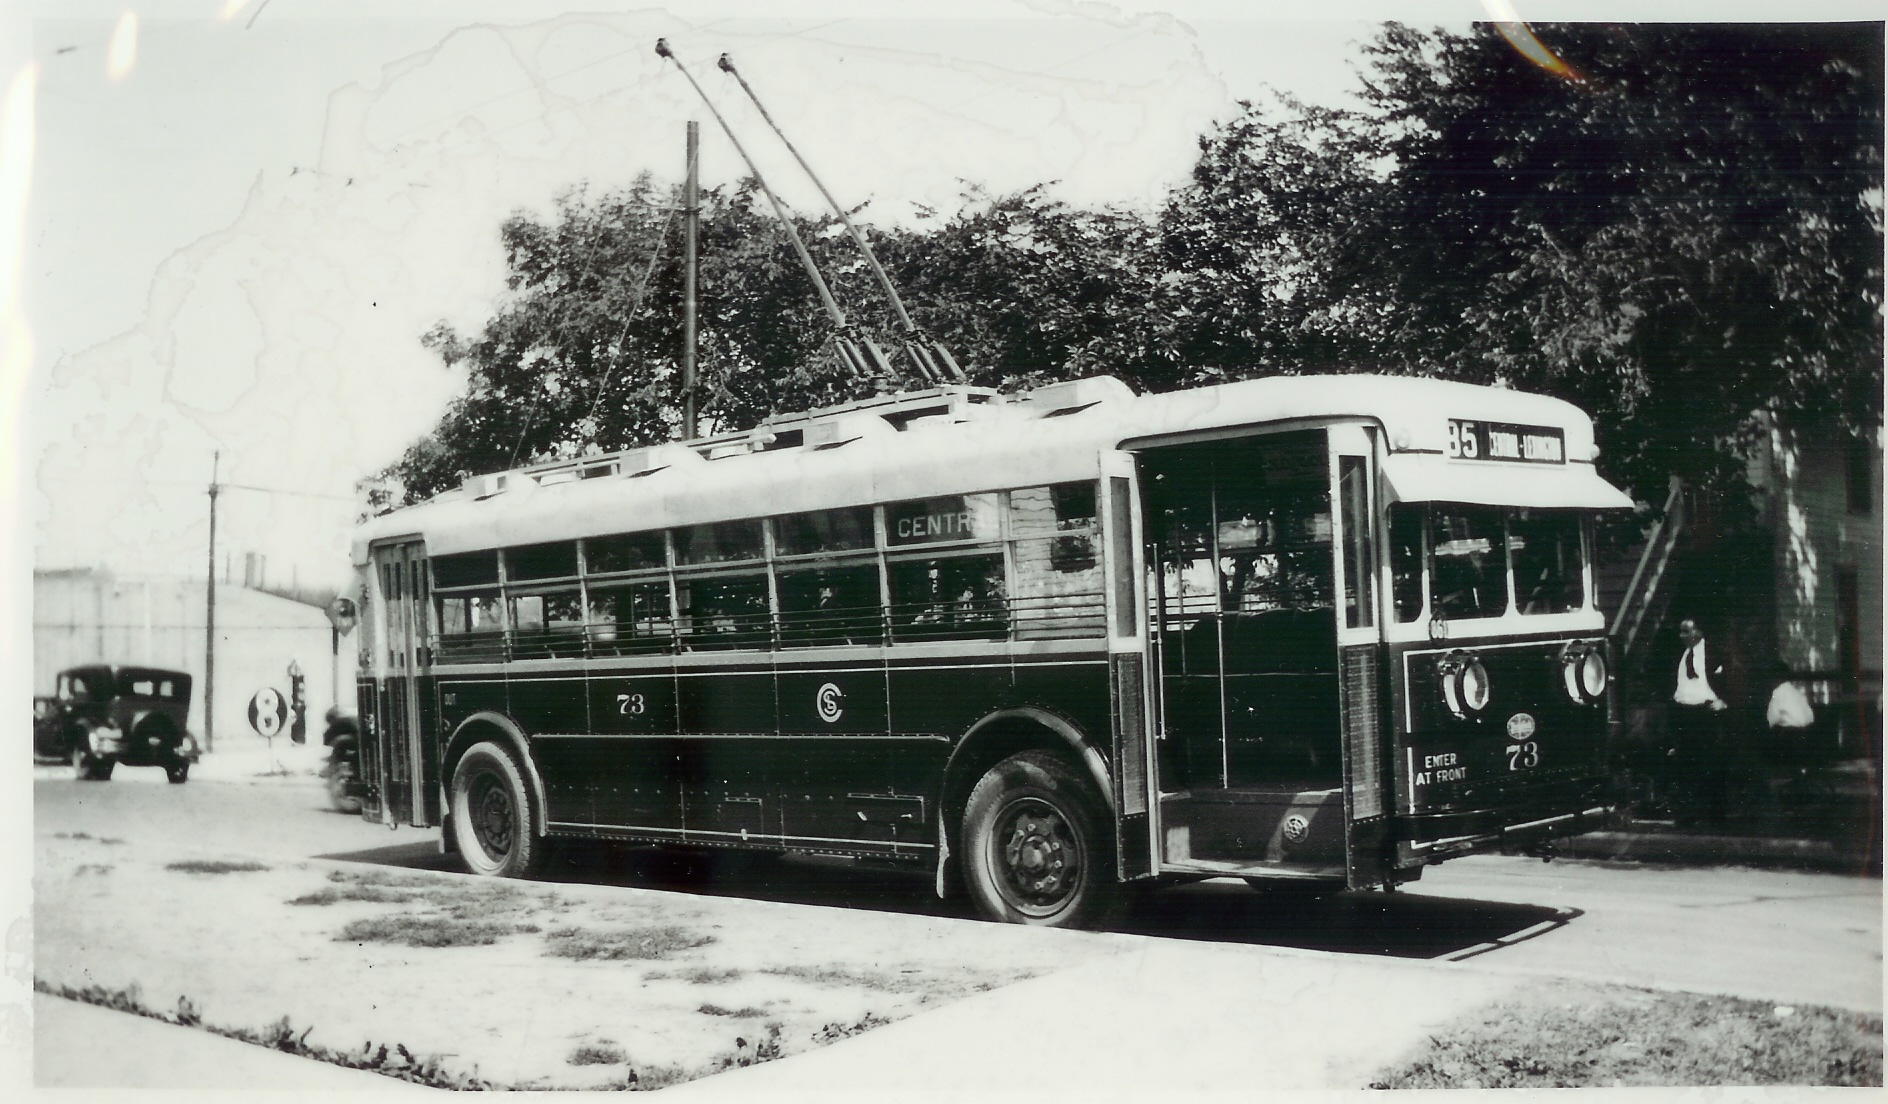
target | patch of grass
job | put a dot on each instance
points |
(93, 868)
(592, 1054)
(1638, 1038)
(410, 930)
(631, 943)
(357, 892)
(737, 1013)
(845, 977)
(703, 975)
(214, 866)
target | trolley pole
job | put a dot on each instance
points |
(209, 620)
(691, 223)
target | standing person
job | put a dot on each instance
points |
(1698, 716)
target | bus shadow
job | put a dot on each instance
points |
(1396, 925)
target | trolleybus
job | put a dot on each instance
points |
(1326, 630)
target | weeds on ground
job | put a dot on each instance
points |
(214, 866)
(281, 1035)
(737, 1013)
(846, 977)
(631, 943)
(373, 893)
(833, 1032)
(1640, 1038)
(594, 1054)
(407, 929)
(93, 868)
(86, 836)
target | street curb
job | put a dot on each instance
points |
(1694, 848)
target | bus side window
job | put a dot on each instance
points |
(830, 605)
(1057, 587)
(724, 611)
(631, 617)
(948, 598)
(1406, 560)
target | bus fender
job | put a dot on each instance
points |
(465, 734)
(1047, 721)
(1039, 719)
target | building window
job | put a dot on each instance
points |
(1849, 620)
(1860, 476)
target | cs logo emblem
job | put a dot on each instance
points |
(830, 701)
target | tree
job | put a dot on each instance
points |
(1686, 231)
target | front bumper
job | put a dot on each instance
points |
(1519, 835)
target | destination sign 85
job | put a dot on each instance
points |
(1524, 444)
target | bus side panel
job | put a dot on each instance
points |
(727, 751)
(627, 772)
(947, 698)
(1078, 691)
(547, 707)
(427, 783)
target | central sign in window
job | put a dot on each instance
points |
(939, 520)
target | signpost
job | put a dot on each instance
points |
(268, 712)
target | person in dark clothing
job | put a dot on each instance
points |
(1700, 713)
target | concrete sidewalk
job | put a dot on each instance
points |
(1166, 1019)
(84, 1046)
(1170, 1020)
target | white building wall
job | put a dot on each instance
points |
(91, 617)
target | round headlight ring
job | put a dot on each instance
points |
(1449, 677)
(1475, 687)
(1594, 674)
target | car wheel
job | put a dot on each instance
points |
(1036, 845)
(492, 814)
(341, 777)
(178, 773)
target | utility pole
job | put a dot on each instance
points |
(691, 223)
(209, 620)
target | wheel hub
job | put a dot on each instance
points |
(1040, 856)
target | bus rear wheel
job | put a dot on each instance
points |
(492, 814)
(1036, 845)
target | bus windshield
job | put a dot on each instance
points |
(1484, 561)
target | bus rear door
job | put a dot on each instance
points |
(401, 771)
(1267, 649)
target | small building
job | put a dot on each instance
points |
(92, 616)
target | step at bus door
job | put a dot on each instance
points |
(403, 773)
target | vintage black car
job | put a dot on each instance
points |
(100, 716)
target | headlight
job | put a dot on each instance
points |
(1593, 674)
(1584, 672)
(186, 745)
(1465, 684)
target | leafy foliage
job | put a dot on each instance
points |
(1684, 230)
(1689, 232)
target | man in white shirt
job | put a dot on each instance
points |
(1697, 719)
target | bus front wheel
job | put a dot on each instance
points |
(1035, 845)
(492, 814)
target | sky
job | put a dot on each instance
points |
(241, 216)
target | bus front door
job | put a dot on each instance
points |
(401, 773)
(1249, 593)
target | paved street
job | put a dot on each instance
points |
(1779, 935)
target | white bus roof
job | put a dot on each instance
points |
(965, 440)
